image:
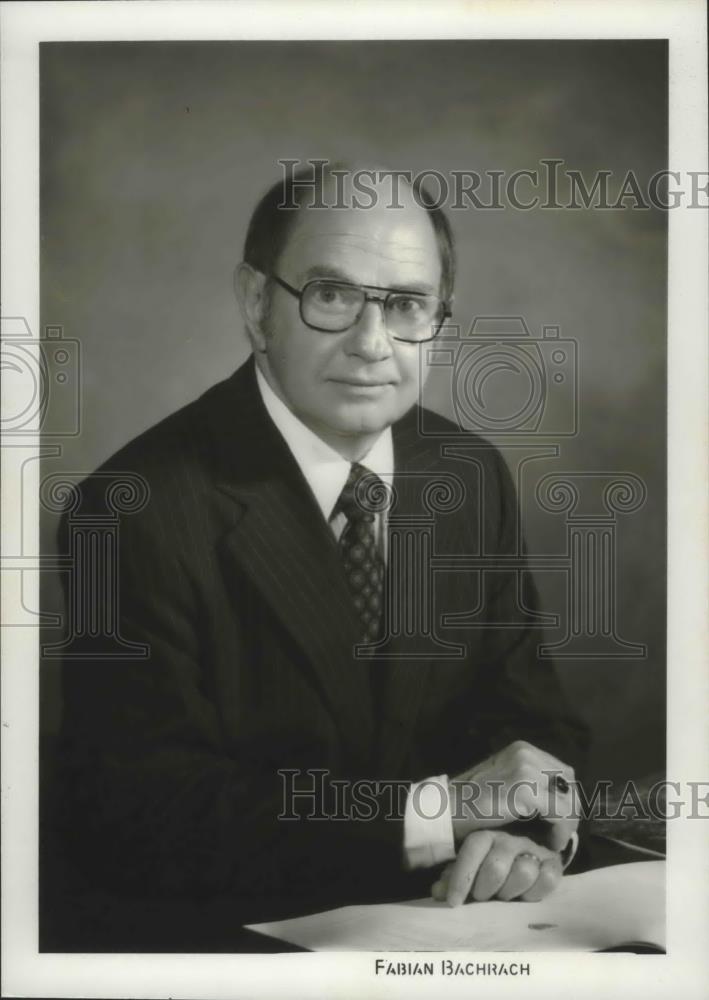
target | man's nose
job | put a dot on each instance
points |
(369, 338)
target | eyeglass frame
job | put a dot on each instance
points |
(381, 299)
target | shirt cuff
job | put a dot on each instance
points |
(428, 824)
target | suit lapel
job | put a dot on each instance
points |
(280, 540)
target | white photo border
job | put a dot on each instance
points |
(685, 969)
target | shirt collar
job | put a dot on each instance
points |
(325, 470)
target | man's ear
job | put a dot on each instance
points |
(249, 288)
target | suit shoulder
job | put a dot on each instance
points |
(169, 461)
(176, 440)
(441, 444)
(437, 430)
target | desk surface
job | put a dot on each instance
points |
(98, 922)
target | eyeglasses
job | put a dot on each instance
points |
(334, 306)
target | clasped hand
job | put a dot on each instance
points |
(492, 864)
(520, 782)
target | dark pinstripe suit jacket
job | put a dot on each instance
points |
(232, 577)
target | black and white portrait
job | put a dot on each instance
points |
(344, 418)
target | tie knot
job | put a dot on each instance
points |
(362, 496)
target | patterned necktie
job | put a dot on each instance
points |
(361, 554)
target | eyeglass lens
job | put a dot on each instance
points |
(331, 306)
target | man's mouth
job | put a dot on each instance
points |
(361, 383)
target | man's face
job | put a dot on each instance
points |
(350, 385)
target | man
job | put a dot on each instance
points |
(268, 588)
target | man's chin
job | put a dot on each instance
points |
(360, 420)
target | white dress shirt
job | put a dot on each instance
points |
(428, 823)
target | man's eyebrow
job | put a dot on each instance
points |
(326, 271)
(337, 274)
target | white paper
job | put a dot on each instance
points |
(599, 909)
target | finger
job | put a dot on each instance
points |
(465, 867)
(560, 799)
(439, 889)
(556, 835)
(549, 776)
(494, 869)
(523, 874)
(548, 796)
(547, 880)
(525, 845)
(525, 798)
